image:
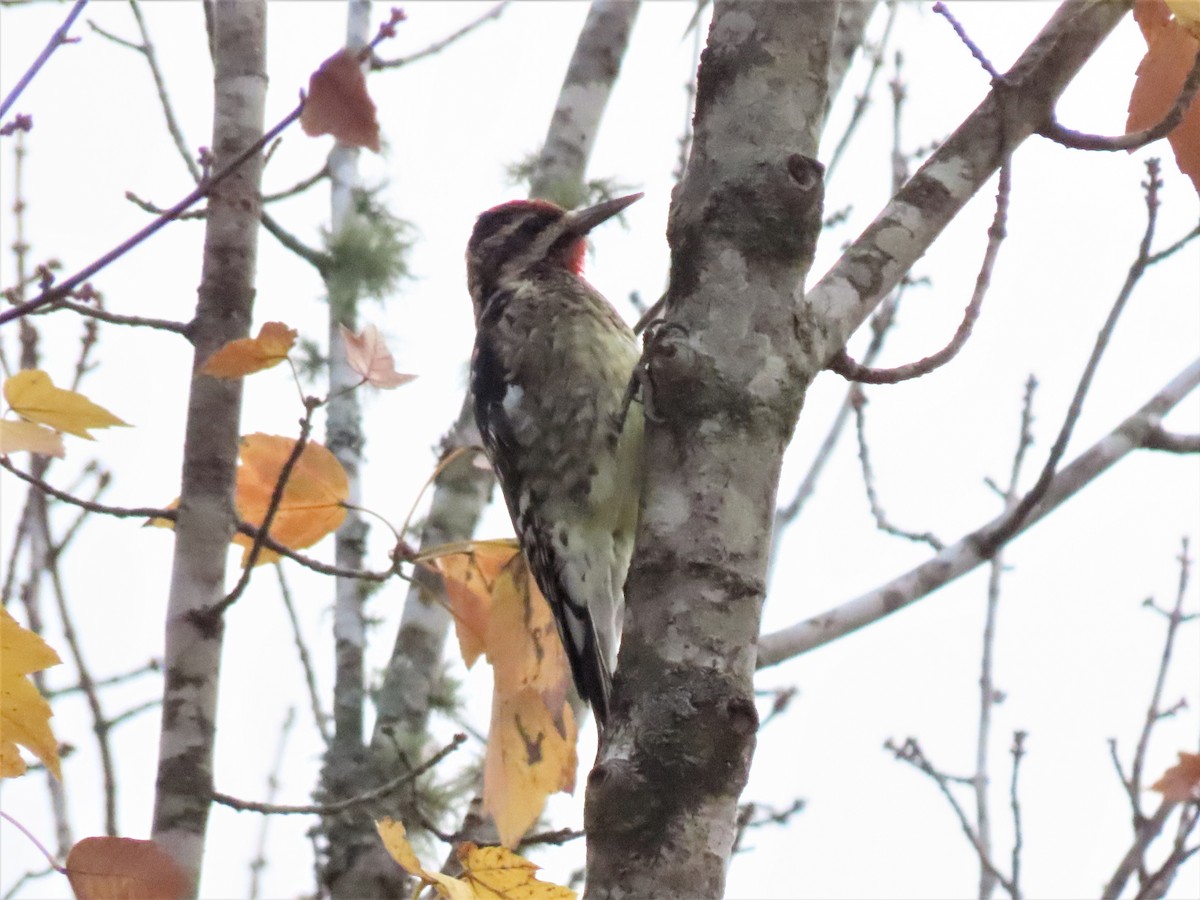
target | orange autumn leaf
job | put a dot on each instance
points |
(311, 507)
(24, 712)
(17, 436)
(1170, 53)
(1181, 782)
(338, 103)
(115, 868)
(367, 355)
(249, 355)
(469, 570)
(32, 395)
(523, 645)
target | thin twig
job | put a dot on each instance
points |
(64, 288)
(910, 752)
(260, 857)
(1154, 709)
(845, 366)
(1018, 753)
(868, 474)
(981, 58)
(121, 512)
(116, 319)
(440, 45)
(1012, 523)
(1079, 140)
(101, 724)
(56, 40)
(153, 665)
(300, 186)
(310, 675)
(318, 260)
(329, 809)
(160, 85)
(988, 695)
(863, 100)
(285, 472)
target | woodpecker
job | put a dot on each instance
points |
(550, 372)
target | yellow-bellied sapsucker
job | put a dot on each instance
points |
(550, 372)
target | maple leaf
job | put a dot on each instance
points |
(488, 872)
(117, 868)
(16, 436)
(338, 103)
(499, 611)
(497, 872)
(248, 355)
(1181, 782)
(367, 355)
(24, 712)
(32, 395)
(1187, 14)
(530, 755)
(469, 570)
(311, 506)
(1170, 54)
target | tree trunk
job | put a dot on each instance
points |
(723, 389)
(207, 516)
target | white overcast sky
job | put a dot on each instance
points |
(1076, 653)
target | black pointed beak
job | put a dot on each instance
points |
(581, 221)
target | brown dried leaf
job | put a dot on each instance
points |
(338, 103)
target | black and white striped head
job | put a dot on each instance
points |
(522, 234)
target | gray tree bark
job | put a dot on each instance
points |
(725, 381)
(207, 516)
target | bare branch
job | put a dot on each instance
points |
(329, 809)
(910, 752)
(1136, 269)
(851, 370)
(967, 553)
(94, 312)
(440, 45)
(859, 403)
(121, 512)
(56, 40)
(1079, 140)
(1158, 438)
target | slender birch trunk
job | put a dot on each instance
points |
(207, 516)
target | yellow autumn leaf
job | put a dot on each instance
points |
(1187, 14)
(530, 755)
(498, 610)
(31, 395)
(395, 841)
(488, 872)
(24, 712)
(249, 355)
(16, 436)
(495, 872)
(523, 645)
(311, 506)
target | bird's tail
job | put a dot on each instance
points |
(589, 668)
